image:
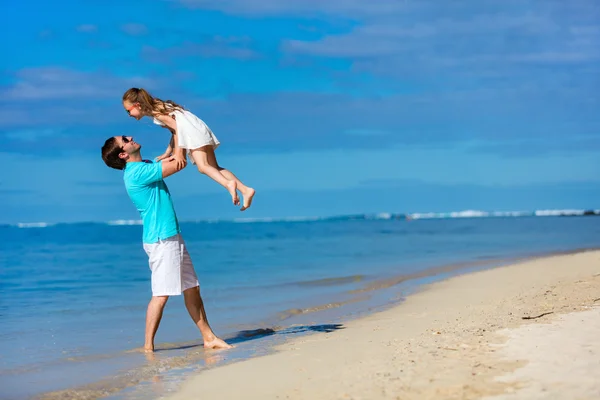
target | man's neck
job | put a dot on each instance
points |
(137, 157)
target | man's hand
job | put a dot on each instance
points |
(169, 166)
(179, 157)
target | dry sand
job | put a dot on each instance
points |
(463, 338)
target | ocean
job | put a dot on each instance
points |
(73, 296)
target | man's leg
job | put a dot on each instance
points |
(195, 306)
(153, 316)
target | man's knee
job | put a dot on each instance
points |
(194, 291)
(160, 300)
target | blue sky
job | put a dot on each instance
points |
(325, 107)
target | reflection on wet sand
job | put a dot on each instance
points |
(158, 363)
(196, 357)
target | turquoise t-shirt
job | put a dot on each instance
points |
(149, 193)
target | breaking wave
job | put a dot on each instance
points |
(374, 216)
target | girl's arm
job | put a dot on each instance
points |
(169, 151)
(178, 152)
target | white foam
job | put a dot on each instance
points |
(273, 219)
(469, 214)
(511, 213)
(553, 213)
(125, 222)
(33, 224)
(383, 216)
(484, 214)
(424, 215)
(378, 216)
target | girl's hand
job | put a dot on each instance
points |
(163, 156)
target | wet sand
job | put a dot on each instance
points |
(524, 331)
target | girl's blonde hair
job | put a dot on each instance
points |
(150, 105)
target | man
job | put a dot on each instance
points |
(170, 263)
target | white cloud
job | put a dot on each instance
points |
(54, 96)
(55, 83)
(412, 37)
(46, 33)
(134, 29)
(347, 8)
(31, 135)
(518, 37)
(87, 28)
(214, 47)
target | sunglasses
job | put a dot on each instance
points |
(130, 108)
(125, 141)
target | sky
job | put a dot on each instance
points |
(325, 107)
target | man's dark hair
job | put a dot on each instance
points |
(110, 154)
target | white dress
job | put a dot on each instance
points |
(192, 132)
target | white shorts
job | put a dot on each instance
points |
(171, 266)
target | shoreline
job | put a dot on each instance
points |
(406, 284)
(172, 371)
(408, 349)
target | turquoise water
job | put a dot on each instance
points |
(73, 296)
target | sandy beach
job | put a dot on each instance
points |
(524, 331)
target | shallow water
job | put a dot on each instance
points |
(73, 296)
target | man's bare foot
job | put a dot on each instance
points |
(216, 343)
(212, 358)
(232, 189)
(148, 349)
(248, 196)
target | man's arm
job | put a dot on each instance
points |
(143, 174)
(169, 167)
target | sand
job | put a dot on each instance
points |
(463, 338)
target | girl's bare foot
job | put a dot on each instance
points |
(232, 189)
(248, 195)
(216, 343)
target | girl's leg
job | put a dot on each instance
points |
(247, 192)
(200, 157)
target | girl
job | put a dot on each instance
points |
(188, 133)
